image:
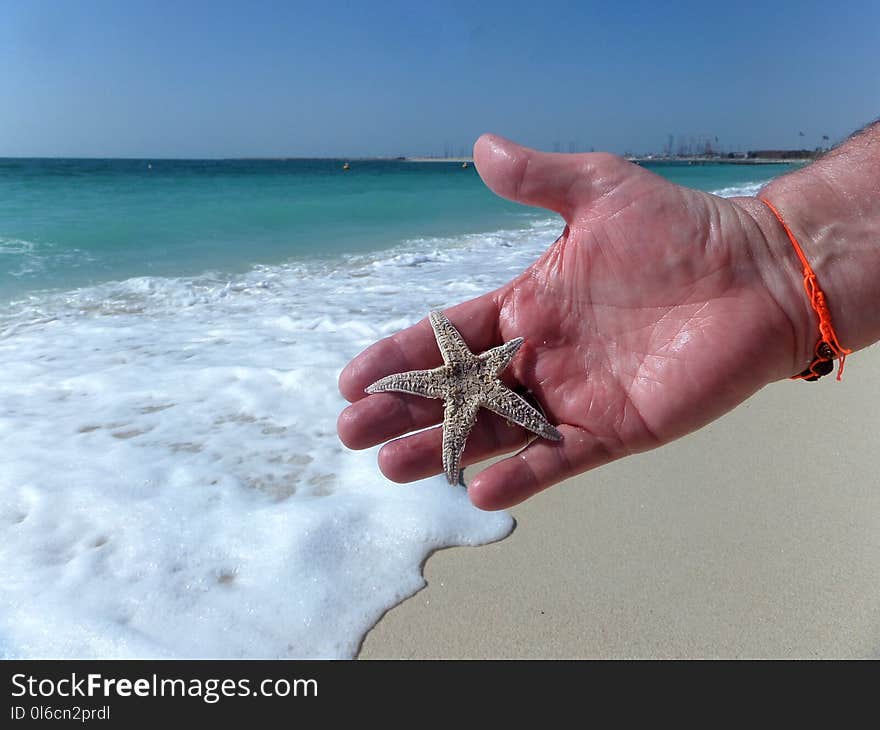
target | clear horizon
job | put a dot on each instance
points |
(97, 79)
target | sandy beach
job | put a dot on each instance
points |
(758, 536)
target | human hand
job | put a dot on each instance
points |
(657, 310)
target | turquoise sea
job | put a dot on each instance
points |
(171, 334)
(74, 223)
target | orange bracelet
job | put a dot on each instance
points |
(828, 348)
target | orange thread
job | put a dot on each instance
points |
(829, 346)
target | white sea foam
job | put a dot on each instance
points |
(743, 189)
(171, 482)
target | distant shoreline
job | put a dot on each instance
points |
(638, 159)
(436, 159)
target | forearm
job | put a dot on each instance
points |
(833, 208)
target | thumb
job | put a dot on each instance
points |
(555, 181)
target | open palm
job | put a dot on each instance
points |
(649, 317)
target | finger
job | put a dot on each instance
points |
(384, 416)
(549, 180)
(420, 455)
(541, 464)
(416, 349)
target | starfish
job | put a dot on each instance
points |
(466, 382)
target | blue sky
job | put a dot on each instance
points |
(224, 79)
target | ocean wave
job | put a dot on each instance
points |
(13, 246)
(25, 260)
(742, 190)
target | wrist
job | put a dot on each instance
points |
(780, 271)
(837, 225)
(832, 208)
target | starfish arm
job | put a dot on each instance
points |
(507, 404)
(458, 419)
(452, 345)
(426, 383)
(499, 357)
